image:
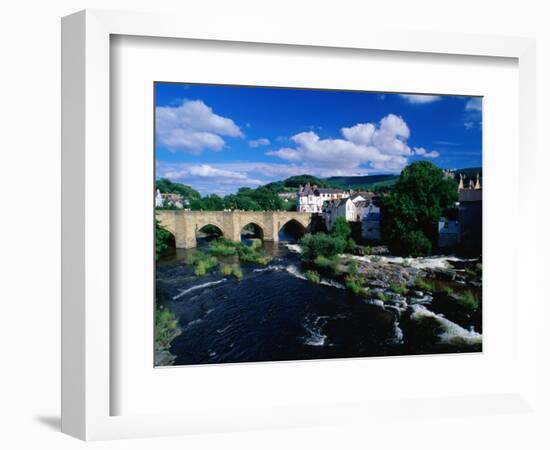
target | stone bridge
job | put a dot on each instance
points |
(184, 225)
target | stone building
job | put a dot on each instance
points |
(470, 212)
(448, 233)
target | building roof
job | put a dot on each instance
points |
(314, 190)
(329, 191)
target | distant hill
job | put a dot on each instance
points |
(365, 182)
(369, 182)
(166, 186)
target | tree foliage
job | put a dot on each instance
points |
(162, 238)
(166, 186)
(411, 211)
(341, 228)
(321, 244)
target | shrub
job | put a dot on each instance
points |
(415, 243)
(222, 247)
(381, 296)
(327, 265)
(313, 276)
(350, 245)
(341, 228)
(355, 283)
(400, 289)
(166, 328)
(202, 262)
(232, 270)
(424, 285)
(352, 267)
(253, 254)
(469, 301)
(162, 238)
(321, 244)
(448, 290)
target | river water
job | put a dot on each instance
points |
(274, 314)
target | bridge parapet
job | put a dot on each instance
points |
(184, 225)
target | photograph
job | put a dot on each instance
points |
(296, 223)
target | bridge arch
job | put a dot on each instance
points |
(207, 228)
(293, 227)
(254, 230)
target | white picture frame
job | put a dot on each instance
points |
(86, 218)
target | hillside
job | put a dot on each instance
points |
(367, 182)
(166, 186)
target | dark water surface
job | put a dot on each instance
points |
(273, 314)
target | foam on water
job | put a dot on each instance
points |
(198, 286)
(397, 334)
(428, 262)
(452, 333)
(313, 326)
(332, 283)
(293, 247)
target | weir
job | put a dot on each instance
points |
(184, 225)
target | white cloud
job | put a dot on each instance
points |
(193, 127)
(259, 142)
(381, 146)
(418, 99)
(421, 151)
(205, 176)
(474, 104)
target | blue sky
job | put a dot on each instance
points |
(219, 138)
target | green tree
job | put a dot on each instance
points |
(321, 244)
(411, 211)
(341, 228)
(162, 237)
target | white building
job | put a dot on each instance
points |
(311, 198)
(352, 208)
(158, 199)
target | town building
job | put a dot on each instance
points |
(370, 222)
(448, 233)
(286, 196)
(158, 199)
(470, 211)
(311, 198)
(353, 208)
(169, 199)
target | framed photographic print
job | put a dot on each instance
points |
(265, 216)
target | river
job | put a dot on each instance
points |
(274, 314)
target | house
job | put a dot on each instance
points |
(311, 198)
(448, 233)
(286, 196)
(332, 209)
(353, 208)
(370, 222)
(158, 199)
(470, 214)
(169, 199)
